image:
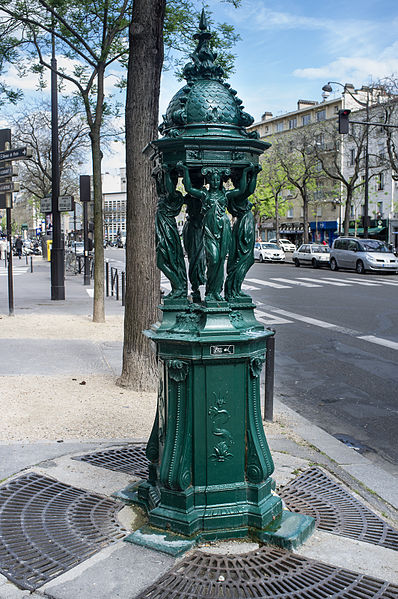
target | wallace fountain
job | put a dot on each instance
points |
(210, 465)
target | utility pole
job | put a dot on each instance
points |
(85, 196)
(57, 251)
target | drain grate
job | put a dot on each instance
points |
(131, 460)
(47, 527)
(317, 495)
(266, 572)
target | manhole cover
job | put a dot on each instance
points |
(265, 572)
(131, 460)
(315, 494)
(47, 527)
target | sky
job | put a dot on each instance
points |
(289, 50)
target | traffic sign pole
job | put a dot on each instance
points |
(5, 142)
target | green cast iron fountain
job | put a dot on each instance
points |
(210, 465)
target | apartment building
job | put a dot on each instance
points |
(327, 212)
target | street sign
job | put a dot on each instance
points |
(45, 205)
(8, 171)
(65, 204)
(15, 154)
(9, 186)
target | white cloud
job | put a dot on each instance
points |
(352, 68)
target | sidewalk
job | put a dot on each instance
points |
(59, 400)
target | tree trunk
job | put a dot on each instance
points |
(277, 219)
(142, 277)
(347, 212)
(305, 215)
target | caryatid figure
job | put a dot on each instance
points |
(241, 252)
(169, 254)
(216, 225)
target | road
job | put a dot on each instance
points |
(336, 349)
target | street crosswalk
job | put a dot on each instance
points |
(16, 270)
(310, 282)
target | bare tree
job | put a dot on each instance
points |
(342, 158)
(297, 157)
(273, 190)
(32, 127)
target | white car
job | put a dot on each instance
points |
(312, 254)
(268, 252)
(285, 244)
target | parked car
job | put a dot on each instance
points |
(284, 244)
(78, 247)
(362, 255)
(312, 254)
(268, 252)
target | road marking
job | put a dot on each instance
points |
(373, 282)
(328, 325)
(270, 319)
(249, 287)
(380, 341)
(358, 282)
(313, 321)
(294, 282)
(268, 284)
(326, 282)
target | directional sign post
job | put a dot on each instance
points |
(16, 154)
(9, 187)
(5, 140)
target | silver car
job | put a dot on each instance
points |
(362, 255)
(312, 254)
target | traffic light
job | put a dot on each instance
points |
(343, 120)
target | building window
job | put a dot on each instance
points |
(380, 182)
(321, 115)
(292, 123)
(289, 213)
(352, 157)
(306, 119)
(279, 127)
(379, 210)
(319, 210)
(320, 141)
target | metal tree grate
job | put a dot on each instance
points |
(131, 460)
(47, 527)
(317, 495)
(266, 572)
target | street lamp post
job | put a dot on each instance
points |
(328, 89)
(57, 251)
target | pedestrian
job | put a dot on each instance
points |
(19, 246)
(324, 242)
(3, 248)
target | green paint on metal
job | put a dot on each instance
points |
(289, 531)
(158, 540)
(210, 464)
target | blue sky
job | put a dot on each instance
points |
(289, 50)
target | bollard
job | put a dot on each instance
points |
(112, 280)
(117, 285)
(107, 277)
(123, 286)
(26, 259)
(31, 264)
(269, 378)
